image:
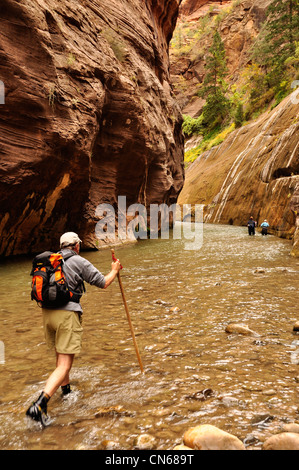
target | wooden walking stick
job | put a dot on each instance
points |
(128, 315)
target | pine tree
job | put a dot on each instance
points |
(274, 54)
(215, 67)
(239, 115)
(214, 86)
(281, 33)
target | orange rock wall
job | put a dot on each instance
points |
(89, 115)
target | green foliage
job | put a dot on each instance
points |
(187, 37)
(211, 139)
(214, 86)
(215, 111)
(71, 59)
(276, 55)
(282, 31)
(192, 126)
(266, 80)
(292, 62)
(115, 43)
(277, 39)
(215, 67)
(52, 96)
(239, 115)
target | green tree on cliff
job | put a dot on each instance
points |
(277, 41)
(214, 86)
(283, 30)
(274, 54)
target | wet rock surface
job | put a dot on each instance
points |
(208, 437)
(253, 172)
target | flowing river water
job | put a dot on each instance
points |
(180, 302)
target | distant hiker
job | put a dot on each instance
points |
(251, 224)
(62, 326)
(265, 226)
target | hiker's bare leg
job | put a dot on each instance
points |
(67, 378)
(60, 376)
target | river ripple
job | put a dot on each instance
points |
(180, 302)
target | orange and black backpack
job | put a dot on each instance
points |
(49, 284)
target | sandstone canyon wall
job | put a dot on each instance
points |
(194, 9)
(255, 171)
(239, 26)
(89, 115)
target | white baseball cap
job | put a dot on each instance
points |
(69, 238)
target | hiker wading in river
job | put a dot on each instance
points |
(251, 224)
(62, 326)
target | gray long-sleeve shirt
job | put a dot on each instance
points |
(78, 269)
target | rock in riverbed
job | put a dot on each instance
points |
(182, 447)
(239, 328)
(283, 441)
(291, 427)
(145, 442)
(208, 437)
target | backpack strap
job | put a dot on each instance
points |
(68, 255)
(80, 283)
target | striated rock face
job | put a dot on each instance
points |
(89, 115)
(255, 171)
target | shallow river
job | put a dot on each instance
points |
(180, 302)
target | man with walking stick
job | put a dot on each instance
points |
(62, 326)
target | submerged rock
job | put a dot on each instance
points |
(291, 427)
(201, 395)
(208, 437)
(259, 271)
(182, 447)
(110, 445)
(174, 309)
(283, 441)
(145, 442)
(239, 328)
(116, 410)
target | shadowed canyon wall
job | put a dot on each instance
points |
(255, 171)
(89, 115)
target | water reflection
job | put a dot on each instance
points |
(180, 302)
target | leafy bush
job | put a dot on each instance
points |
(216, 137)
(192, 126)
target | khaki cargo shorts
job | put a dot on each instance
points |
(63, 330)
